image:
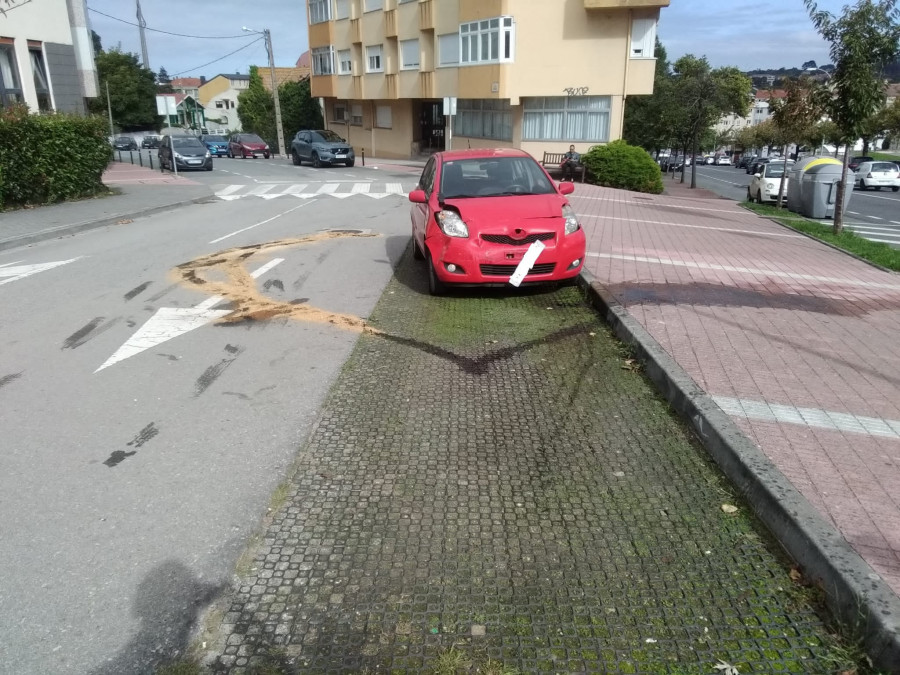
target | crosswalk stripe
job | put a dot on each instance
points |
(359, 188)
(261, 190)
(294, 189)
(335, 189)
(395, 188)
(228, 189)
(328, 188)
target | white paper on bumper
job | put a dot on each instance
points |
(528, 260)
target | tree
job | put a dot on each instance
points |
(648, 123)
(863, 40)
(95, 40)
(795, 115)
(256, 108)
(164, 82)
(132, 90)
(701, 95)
(299, 110)
(809, 64)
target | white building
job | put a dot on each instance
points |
(219, 97)
(46, 56)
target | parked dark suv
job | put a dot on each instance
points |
(321, 147)
(854, 162)
(125, 143)
(187, 152)
(150, 142)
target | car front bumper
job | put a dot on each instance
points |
(188, 163)
(480, 262)
(332, 158)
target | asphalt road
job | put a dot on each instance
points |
(143, 436)
(872, 214)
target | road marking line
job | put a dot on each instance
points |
(295, 188)
(14, 262)
(261, 190)
(865, 194)
(228, 190)
(733, 211)
(853, 213)
(874, 217)
(895, 222)
(698, 227)
(395, 188)
(746, 270)
(328, 188)
(250, 227)
(859, 227)
(9, 274)
(811, 417)
(359, 188)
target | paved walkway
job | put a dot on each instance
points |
(140, 191)
(796, 341)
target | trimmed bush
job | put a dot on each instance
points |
(619, 165)
(50, 158)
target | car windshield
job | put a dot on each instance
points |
(493, 177)
(251, 138)
(327, 135)
(124, 139)
(187, 144)
(217, 139)
(775, 170)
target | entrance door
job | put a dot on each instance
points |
(432, 126)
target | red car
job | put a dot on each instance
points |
(477, 213)
(247, 145)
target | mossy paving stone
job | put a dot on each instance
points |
(495, 462)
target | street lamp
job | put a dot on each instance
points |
(278, 130)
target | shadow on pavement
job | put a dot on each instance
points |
(168, 602)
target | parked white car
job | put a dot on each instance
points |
(877, 175)
(766, 182)
(723, 160)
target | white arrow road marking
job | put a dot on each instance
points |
(170, 322)
(16, 272)
(250, 227)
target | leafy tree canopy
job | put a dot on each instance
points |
(132, 90)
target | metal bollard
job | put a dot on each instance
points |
(150, 155)
(363, 156)
(141, 157)
(131, 156)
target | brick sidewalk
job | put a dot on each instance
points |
(796, 341)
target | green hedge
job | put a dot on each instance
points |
(624, 166)
(50, 158)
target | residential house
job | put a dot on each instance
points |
(762, 110)
(219, 97)
(524, 73)
(46, 56)
(297, 73)
(190, 86)
(190, 115)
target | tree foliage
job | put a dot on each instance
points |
(864, 39)
(647, 119)
(132, 90)
(256, 108)
(796, 114)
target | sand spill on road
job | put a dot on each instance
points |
(225, 273)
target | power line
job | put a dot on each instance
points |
(188, 70)
(165, 32)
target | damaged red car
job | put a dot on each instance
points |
(493, 217)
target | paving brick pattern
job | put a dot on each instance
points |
(756, 312)
(492, 483)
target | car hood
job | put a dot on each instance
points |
(253, 146)
(192, 152)
(217, 144)
(500, 214)
(331, 145)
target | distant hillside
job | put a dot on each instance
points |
(763, 78)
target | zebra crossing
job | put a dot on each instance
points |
(333, 189)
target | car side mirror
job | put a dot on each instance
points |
(757, 175)
(418, 197)
(566, 188)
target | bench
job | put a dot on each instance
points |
(552, 161)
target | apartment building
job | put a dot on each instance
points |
(219, 97)
(46, 56)
(525, 73)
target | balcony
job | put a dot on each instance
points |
(426, 15)
(624, 4)
(426, 84)
(355, 32)
(390, 23)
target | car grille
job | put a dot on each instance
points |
(528, 239)
(507, 270)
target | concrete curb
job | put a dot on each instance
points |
(821, 241)
(74, 228)
(857, 596)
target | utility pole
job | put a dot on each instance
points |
(142, 25)
(279, 130)
(112, 133)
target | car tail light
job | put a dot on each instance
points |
(869, 175)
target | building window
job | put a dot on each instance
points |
(372, 5)
(41, 83)
(405, 1)
(340, 113)
(487, 41)
(323, 60)
(345, 62)
(448, 49)
(561, 118)
(409, 54)
(356, 114)
(483, 118)
(373, 59)
(319, 11)
(10, 88)
(643, 38)
(383, 116)
(342, 9)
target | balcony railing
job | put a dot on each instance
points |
(624, 4)
(426, 15)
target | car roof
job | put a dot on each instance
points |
(482, 153)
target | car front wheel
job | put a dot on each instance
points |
(295, 158)
(316, 161)
(435, 285)
(350, 163)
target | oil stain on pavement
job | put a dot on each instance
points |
(490, 483)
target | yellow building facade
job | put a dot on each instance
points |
(531, 74)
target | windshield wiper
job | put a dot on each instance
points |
(512, 194)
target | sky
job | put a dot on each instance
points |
(749, 34)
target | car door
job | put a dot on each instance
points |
(305, 149)
(421, 212)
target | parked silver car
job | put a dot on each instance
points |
(321, 147)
